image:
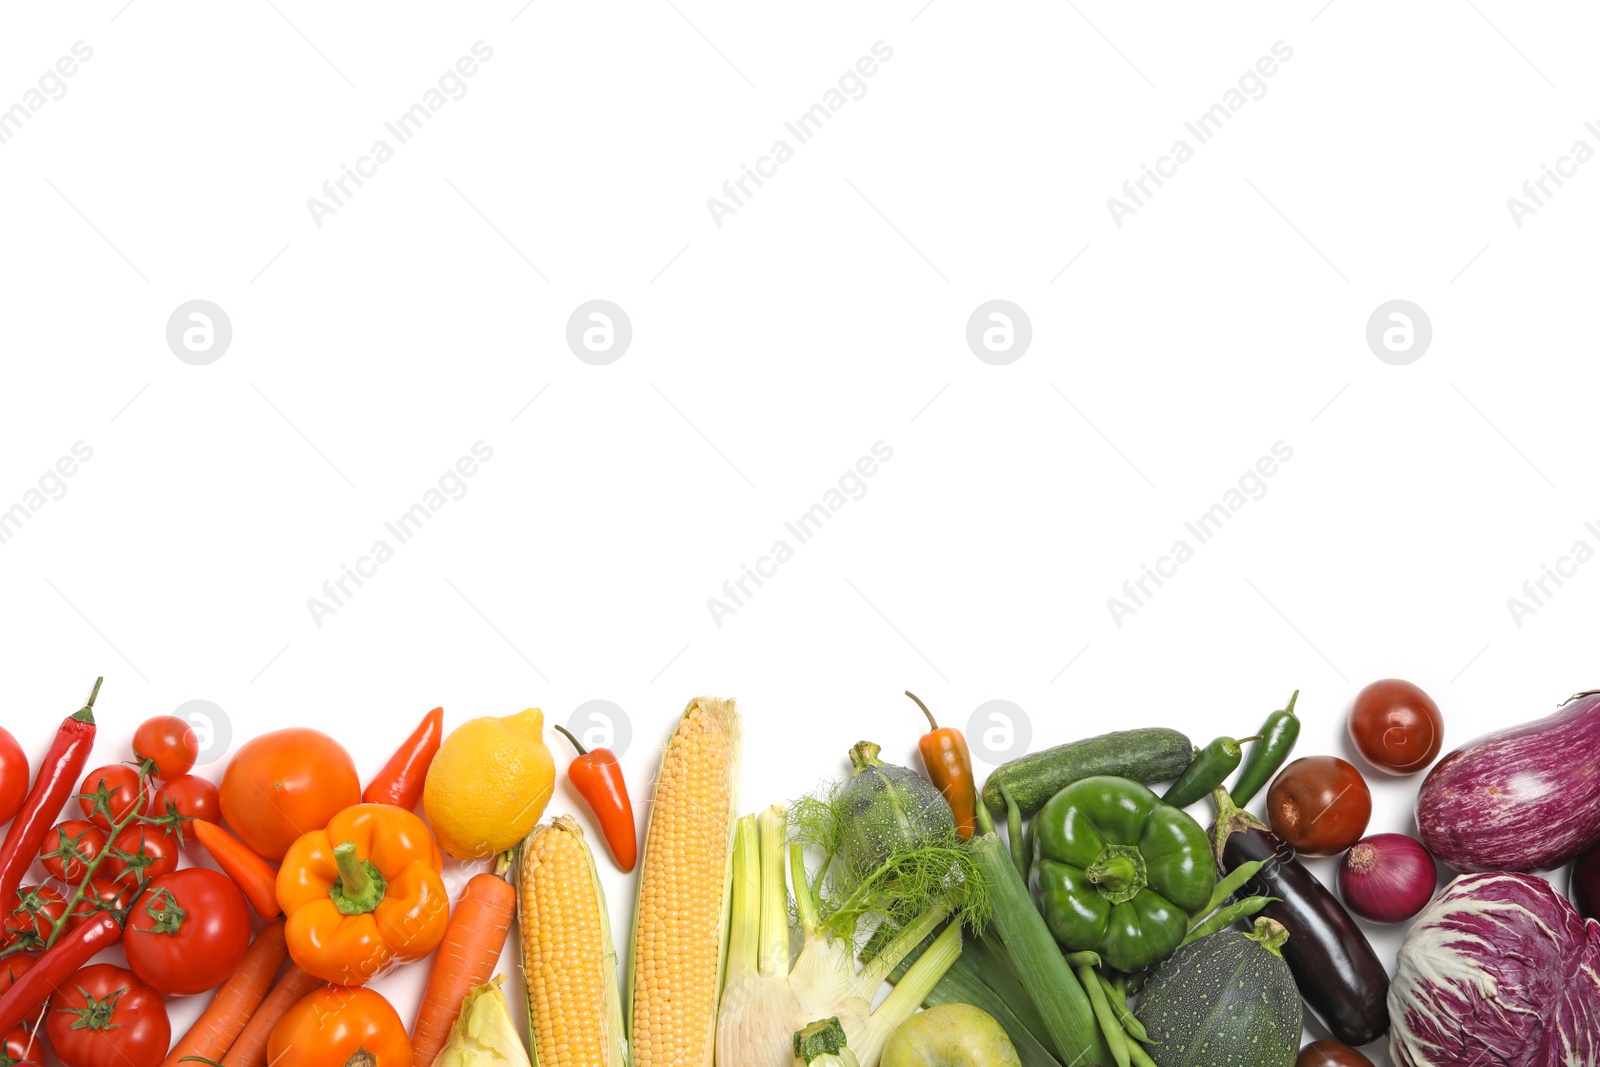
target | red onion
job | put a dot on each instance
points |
(1387, 878)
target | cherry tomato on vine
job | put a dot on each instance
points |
(169, 742)
(1320, 805)
(30, 916)
(22, 1047)
(104, 1016)
(121, 786)
(139, 853)
(190, 796)
(12, 968)
(13, 776)
(102, 895)
(70, 847)
(1396, 726)
(187, 931)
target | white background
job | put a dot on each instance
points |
(768, 354)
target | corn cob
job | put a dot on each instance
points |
(681, 924)
(569, 963)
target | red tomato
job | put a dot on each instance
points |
(102, 895)
(70, 847)
(190, 796)
(103, 1016)
(284, 783)
(139, 853)
(168, 742)
(1396, 726)
(1320, 805)
(23, 1046)
(13, 776)
(120, 784)
(30, 916)
(188, 931)
(12, 968)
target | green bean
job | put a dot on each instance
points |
(1226, 917)
(1116, 1039)
(1014, 834)
(1139, 1056)
(1119, 1007)
(1228, 887)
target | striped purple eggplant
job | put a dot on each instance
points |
(1523, 799)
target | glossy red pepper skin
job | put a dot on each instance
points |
(57, 964)
(949, 765)
(401, 779)
(597, 776)
(59, 774)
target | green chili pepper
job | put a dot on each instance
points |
(1210, 768)
(1226, 917)
(1278, 735)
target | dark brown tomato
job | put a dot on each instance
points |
(1320, 805)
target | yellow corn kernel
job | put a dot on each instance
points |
(681, 925)
(569, 963)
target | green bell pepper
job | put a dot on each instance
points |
(1117, 872)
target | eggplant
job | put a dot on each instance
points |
(1522, 799)
(1339, 975)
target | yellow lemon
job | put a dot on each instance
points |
(489, 784)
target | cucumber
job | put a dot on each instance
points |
(1227, 1000)
(1154, 754)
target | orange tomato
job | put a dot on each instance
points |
(327, 1027)
(283, 783)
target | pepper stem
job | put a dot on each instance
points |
(931, 724)
(359, 887)
(86, 713)
(563, 732)
(1114, 873)
(1292, 698)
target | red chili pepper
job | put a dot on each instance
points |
(57, 964)
(400, 781)
(949, 764)
(58, 778)
(598, 779)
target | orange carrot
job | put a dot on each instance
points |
(214, 1032)
(252, 874)
(466, 958)
(250, 1047)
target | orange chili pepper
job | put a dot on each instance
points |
(949, 765)
(400, 781)
(598, 779)
(257, 878)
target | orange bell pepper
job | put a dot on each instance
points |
(363, 894)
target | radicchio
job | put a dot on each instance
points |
(1499, 971)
